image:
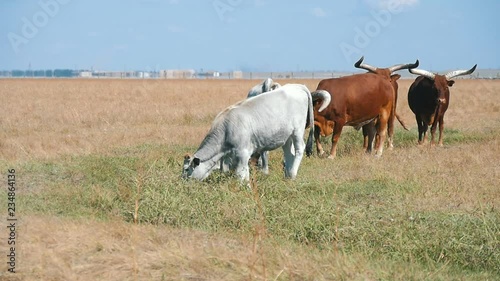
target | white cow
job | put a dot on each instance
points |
(265, 122)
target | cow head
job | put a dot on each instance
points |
(323, 126)
(321, 99)
(441, 83)
(269, 85)
(265, 86)
(385, 72)
(189, 166)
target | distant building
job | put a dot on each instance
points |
(237, 74)
(142, 74)
(177, 73)
(209, 74)
(86, 74)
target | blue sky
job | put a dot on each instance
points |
(249, 35)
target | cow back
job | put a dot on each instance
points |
(356, 98)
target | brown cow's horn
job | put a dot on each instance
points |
(360, 64)
(324, 95)
(403, 66)
(422, 72)
(460, 72)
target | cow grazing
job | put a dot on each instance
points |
(429, 97)
(226, 163)
(369, 129)
(356, 100)
(265, 122)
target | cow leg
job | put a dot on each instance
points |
(441, 128)
(422, 129)
(298, 146)
(433, 132)
(289, 157)
(242, 169)
(225, 163)
(319, 147)
(369, 132)
(390, 129)
(337, 130)
(381, 132)
(425, 127)
(365, 137)
(265, 164)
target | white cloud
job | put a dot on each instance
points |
(318, 12)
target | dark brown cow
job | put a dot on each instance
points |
(369, 129)
(356, 101)
(429, 97)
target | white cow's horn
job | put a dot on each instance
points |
(456, 73)
(422, 72)
(360, 64)
(403, 66)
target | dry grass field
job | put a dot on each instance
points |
(99, 194)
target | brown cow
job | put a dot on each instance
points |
(356, 101)
(369, 129)
(428, 98)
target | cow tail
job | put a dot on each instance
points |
(310, 113)
(401, 122)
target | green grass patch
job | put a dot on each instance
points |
(372, 216)
(403, 138)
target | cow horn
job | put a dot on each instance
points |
(360, 64)
(460, 72)
(324, 95)
(403, 66)
(422, 72)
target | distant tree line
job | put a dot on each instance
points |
(40, 73)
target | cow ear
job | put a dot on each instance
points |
(196, 162)
(395, 77)
(275, 86)
(450, 83)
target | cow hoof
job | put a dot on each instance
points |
(331, 157)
